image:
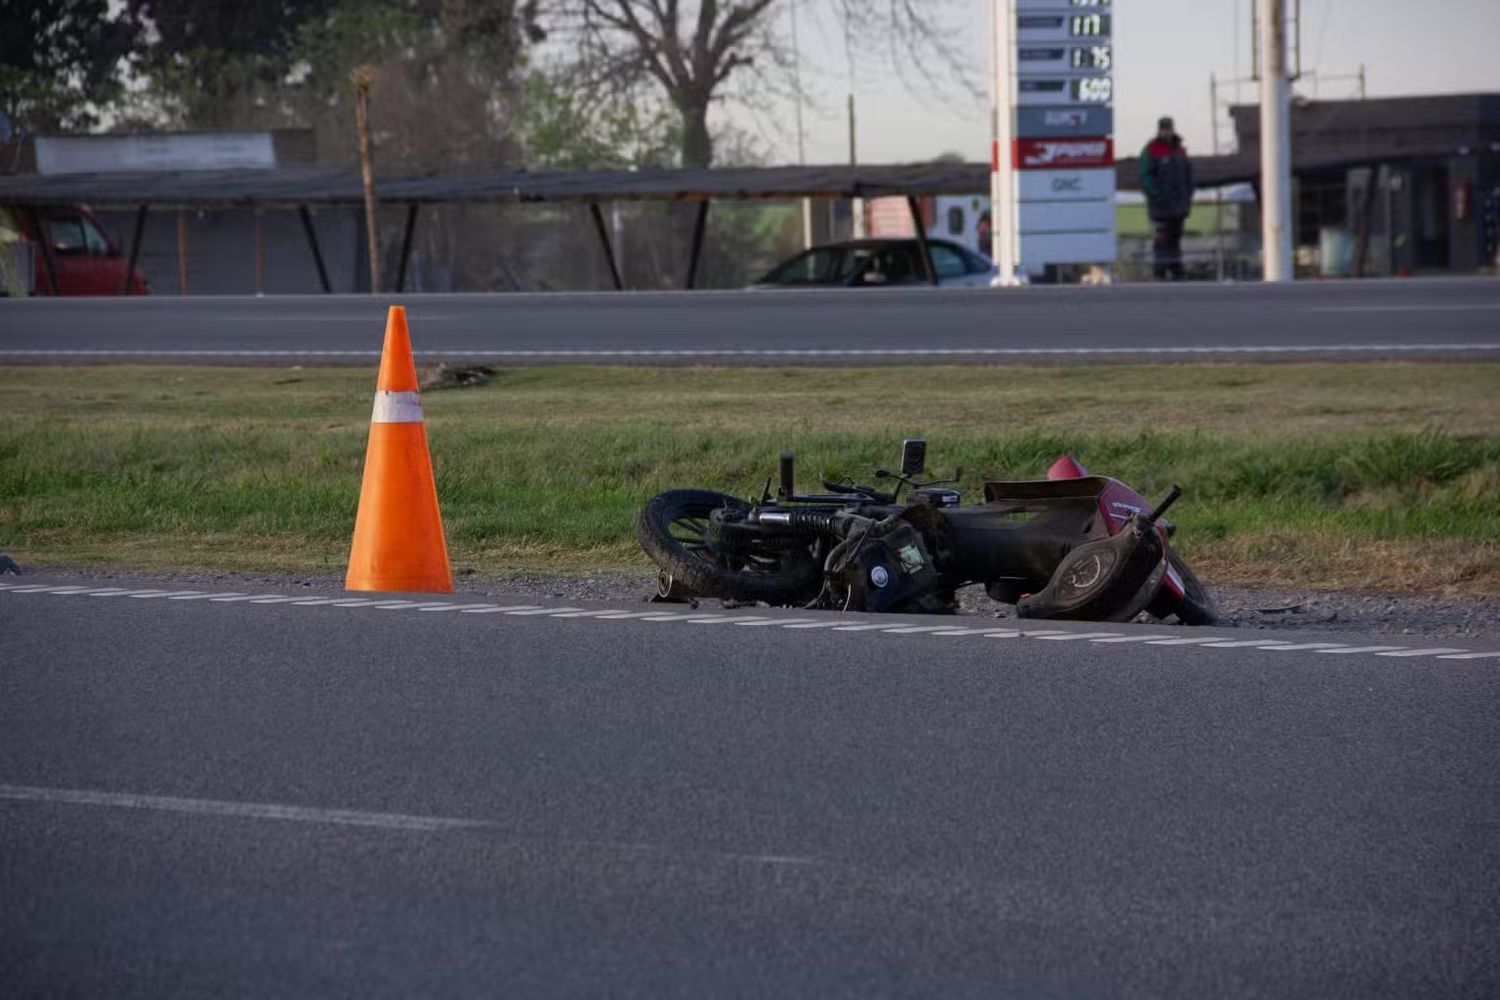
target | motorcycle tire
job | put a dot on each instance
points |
(783, 577)
(1197, 605)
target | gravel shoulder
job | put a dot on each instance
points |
(1273, 609)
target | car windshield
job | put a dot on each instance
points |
(838, 265)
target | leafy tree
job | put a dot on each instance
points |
(61, 61)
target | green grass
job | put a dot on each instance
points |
(1368, 475)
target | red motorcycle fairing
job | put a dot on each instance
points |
(1116, 503)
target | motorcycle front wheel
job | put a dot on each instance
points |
(678, 529)
(1196, 606)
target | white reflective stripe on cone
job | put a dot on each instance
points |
(397, 408)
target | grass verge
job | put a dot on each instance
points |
(1383, 476)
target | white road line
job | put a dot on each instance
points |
(669, 617)
(776, 621)
(1242, 643)
(1469, 656)
(859, 628)
(812, 352)
(245, 810)
(33, 588)
(823, 624)
(312, 602)
(1305, 645)
(1070, 636)
(454, 607)
(1179, 642)
(541, 611)
(129, 593)
(1038, 633)
(272, 600)
(413, 606)
(168, 594)
(1135, 638)
(1429, 651)
(1002, 633)
(623, 615)
(727, 620)
(237, 598)
(75, 591)
(357, 602)
(1347, 650)
(207, 597)
(903, 629)
(970, 631)
(502, 608)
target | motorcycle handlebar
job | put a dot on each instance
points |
(1166, 502)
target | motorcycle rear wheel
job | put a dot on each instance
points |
(673, 529)
(1196, 606)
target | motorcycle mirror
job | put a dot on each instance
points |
(913, 457)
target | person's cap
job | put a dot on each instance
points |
(1165, 121)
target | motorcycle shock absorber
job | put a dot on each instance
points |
(811, 521)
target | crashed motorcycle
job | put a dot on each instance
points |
(1071, 546)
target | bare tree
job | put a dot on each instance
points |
(691, 48)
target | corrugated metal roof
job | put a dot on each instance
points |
(290, 186)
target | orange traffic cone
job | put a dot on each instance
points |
(398, 534)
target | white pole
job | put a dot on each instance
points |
(1275, 143)
(1004, 238)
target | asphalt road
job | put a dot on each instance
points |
(205, 795)
(1438, 317)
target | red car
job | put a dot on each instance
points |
(72, 254)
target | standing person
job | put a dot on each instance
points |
(1167, 179)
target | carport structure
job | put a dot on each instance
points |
(302, 189)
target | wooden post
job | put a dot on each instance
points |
(362, 78)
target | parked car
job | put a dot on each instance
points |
(70, 252)
(878, 264)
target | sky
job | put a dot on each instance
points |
(1165, 51)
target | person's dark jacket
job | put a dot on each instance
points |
(1167, 178)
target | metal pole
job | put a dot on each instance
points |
(312, 241)
(1275, 143)
(260, 254)
(857, 206)
(1004, 238)
(698, 227)
(49, 261)
(922, 245)
(411, 225)
(609, 251)
(1213, 121)
(135, 247)
(182, 284)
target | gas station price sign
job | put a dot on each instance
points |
(1054, 193)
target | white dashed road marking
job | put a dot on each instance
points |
(830, 624)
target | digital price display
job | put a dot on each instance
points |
(1089, 25)
(1092, 90)
(1091, 57)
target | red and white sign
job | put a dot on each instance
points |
(1062, 154)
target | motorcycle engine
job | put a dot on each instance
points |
(891, 569)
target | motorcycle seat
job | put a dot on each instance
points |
(1023, 491)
